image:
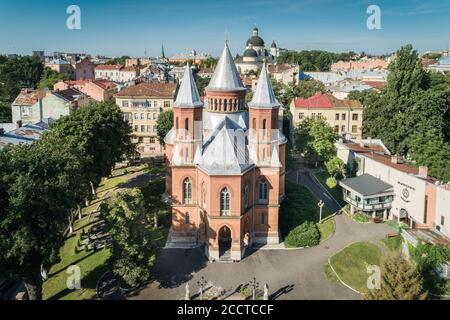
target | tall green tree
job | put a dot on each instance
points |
(406, 75)
(315, 139)
(432, 151)
(335, 167)
(134, 241)
(429, 259)
(164, 124)
(413, 103)
(100, 134)
(18, 73)
(399, 281)
(50, 77)
(38, 191)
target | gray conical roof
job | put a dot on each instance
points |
(264, 96)
(188, 96)
(225, 77)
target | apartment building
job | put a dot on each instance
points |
(345, 116)
(141, 105)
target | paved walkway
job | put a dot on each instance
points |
(290, 274)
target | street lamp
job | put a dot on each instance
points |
(254, 286)
(201, 283)
(320, 204)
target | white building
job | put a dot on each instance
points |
(387, 187)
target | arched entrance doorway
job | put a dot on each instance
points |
(224, 241)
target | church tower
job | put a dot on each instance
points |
(263, 118)
(225, 92)
(187, 114)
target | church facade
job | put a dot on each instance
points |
(255, 54)
(225, 164)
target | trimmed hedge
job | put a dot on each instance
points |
(305, 235)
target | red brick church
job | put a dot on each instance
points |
(225, 164)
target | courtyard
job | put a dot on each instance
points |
(290, 274)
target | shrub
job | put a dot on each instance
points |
(331, 182)
(306, 234)
(360, 217)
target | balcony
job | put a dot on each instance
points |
(368, 206)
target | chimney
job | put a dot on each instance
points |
(394, 159)
(423, 171)
(18, 124)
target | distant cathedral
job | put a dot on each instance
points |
(225, 163)
(256, 53)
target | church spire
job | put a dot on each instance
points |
(226, 76)
(264, 97)
(188, 96)
(163, 55)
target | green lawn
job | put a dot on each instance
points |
(299, 206)
(326, 228)
(93, 263)
(331, 185)
(393, 243)
(329, 274)
(351, 263)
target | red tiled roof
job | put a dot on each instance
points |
(105, 84)
(376, 84)
(320, 100)
(206, 70)
(108, 67)
(386, 160)
(149, 89)
(28, 97)
(275, 68)
(367, 147)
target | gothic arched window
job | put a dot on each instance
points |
(263, 190)
(187, 191)
(246, 196)
(224, 201)
(264, 126)
(204, 197)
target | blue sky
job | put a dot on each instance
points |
(118, 27)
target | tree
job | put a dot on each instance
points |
(164, 124)
(428, 259)
(101, 136)
(406, 75)
(5, 112)
(37, 195)
(201, 83)
(304, 89)
(399, 281)
(43, 183)
(50, 77)
(18, 73)
(117, 60)
(335, 167)
(413, 103)
(315, 139)
(134, 242)
(432, 151)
